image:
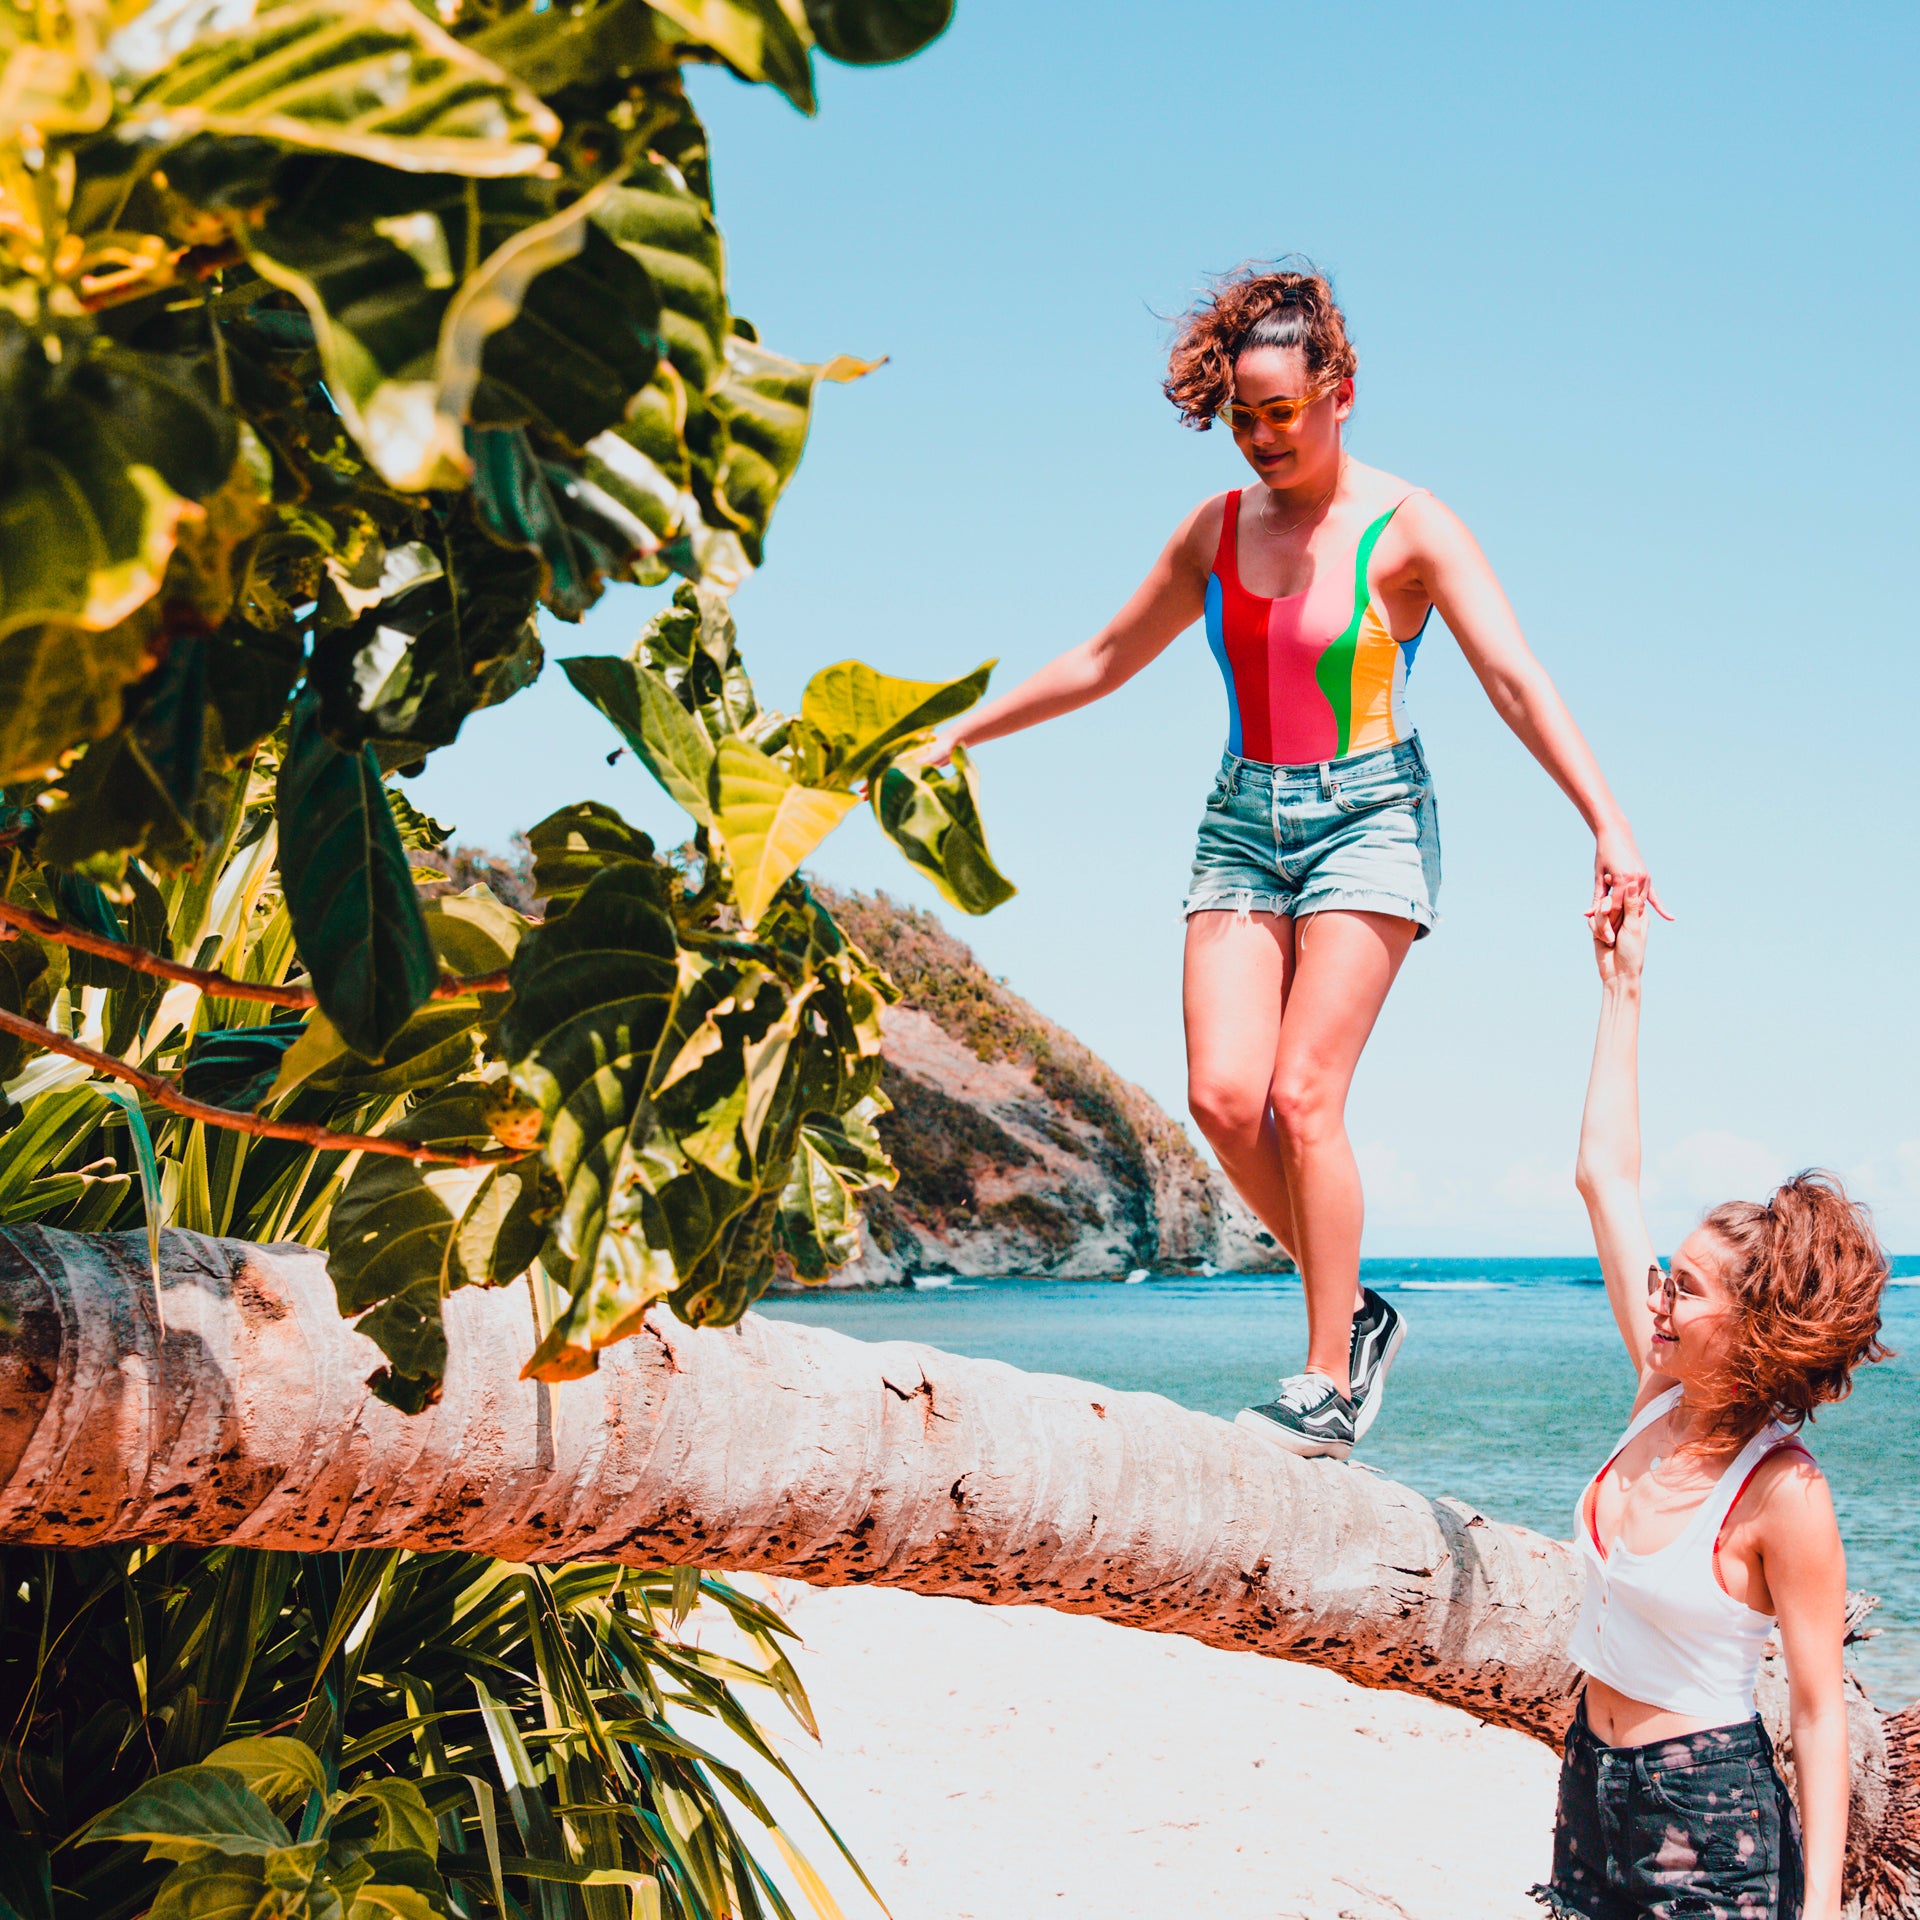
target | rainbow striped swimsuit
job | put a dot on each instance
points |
(1314, 676)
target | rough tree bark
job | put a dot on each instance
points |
(792, 1451)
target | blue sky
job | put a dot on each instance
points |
(1634, 290)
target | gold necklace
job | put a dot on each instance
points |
(1301, 519)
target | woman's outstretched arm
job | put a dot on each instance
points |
(1166, 603)
(1454, 574)
(1608, 1173)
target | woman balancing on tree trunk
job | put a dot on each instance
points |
(1708, 1526)
(1319, 856)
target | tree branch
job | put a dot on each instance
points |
(216, 985)
(165, 1093)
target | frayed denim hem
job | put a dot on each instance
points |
(1557, 1904)
(1241, 902)
(1353, 900)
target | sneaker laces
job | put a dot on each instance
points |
(1305, 1391)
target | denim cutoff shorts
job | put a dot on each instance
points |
(1701, 1825)
(1359, 835)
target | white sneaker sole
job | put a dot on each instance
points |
(1296, 1443)
(1369, 1409)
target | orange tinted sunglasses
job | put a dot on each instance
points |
(1243, 415)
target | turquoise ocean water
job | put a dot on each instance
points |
(1510, 1388)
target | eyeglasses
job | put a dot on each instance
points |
(1241, 416)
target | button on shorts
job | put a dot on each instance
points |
(1359, 835)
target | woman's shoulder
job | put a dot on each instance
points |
(1198, 535)
(1786, 1493)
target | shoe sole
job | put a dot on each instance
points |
(1370, 1409)
(1295, 1443)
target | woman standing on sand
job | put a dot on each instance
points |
(1709, 1525)
(1319, 854)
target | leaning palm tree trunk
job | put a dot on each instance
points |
(792, 1451)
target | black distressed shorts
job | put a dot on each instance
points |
(1699, 1828)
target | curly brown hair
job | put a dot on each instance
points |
(1255, 306)
(1806, 1272)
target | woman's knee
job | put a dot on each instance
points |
(1229, 1112)
(1306, 1106)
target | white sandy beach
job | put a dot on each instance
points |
(1012, 1763)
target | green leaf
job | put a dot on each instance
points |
(572, 847)
(763, 407)
(872, 33)
(665, 737)
(398, 1225)
(250, 674)
(419, 832)
(280, 1770)
(104, 452)
(375, 79)
(694, 648)
(473, 932)
(190, 1811)
(591, 994)
(555, 324)
(933, 816)
(435, 1046)
(867, 716)
(411, 671)
(237, 1066)
(319, 1045)
(759, 39)
(582, 535)
(658, 221)
(404, 1820)
(61, 686)
(349, 891)
(404, 1236)
(767, 821)
(213, 1888)
(31, 974)
(819, 1226)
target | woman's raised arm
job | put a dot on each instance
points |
(1608, 1174)
(1165, 604)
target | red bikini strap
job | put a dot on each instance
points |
(1780, 1446)
(1224, 562)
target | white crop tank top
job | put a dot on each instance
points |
(1659, 1627)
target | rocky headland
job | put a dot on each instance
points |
(1021, 1152)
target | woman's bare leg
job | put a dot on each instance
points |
(1291, 1004)
(1238, 972)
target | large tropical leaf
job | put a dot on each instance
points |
(871, 33)
(763, 408)
(376, 79)
(932, 815)
(767, 821)
(581, 533)
(135, 792)
(759, 39)
(194, 1810)
(573, 847)
(403, 1236)
(410, 670)
(867, 716)
(61, 686)
(414, 346)
(670, 743)
(103, 453)
(349, 891)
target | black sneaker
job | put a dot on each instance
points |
(1377, 1333)
(1306, 1416)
